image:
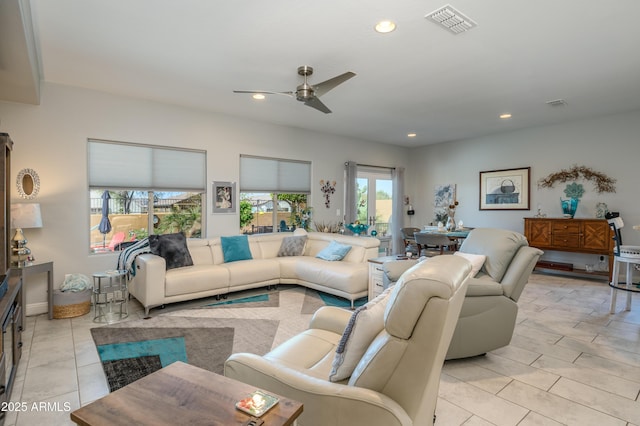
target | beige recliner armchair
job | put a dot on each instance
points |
(489, 312)
(396, 380)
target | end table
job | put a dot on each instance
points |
(34, 268)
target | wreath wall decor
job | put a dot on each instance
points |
(602, 182)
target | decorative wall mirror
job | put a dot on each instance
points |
(28, 183)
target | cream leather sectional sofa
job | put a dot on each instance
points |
(154, 286)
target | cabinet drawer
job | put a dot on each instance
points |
(566, 227)
(566, 240)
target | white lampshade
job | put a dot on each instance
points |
(26, 215)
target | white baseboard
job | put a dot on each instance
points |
(36, 308)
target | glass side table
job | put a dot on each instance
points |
(110, 296)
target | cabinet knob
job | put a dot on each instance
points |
(20, 344)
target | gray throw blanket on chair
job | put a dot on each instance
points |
(128, 256)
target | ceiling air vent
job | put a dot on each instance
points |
(451, 19)
(557, 102)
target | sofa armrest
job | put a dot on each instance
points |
(148, 284)
(324, 402)
(331, 318)
(519, 270)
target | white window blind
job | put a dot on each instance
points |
(146, 167)
(261, 174)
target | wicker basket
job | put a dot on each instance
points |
(70, 305)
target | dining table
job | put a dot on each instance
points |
(453, 234)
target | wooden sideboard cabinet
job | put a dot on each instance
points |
(592, 236)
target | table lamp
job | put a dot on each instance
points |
(23, 216)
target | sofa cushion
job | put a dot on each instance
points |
(235, 248)
(350, 278)
(365, 324)
(292, 246)
(477, 260)
(173, 248)
(334, 251)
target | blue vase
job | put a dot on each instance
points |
(569, 207)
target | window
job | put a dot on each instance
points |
(274, 194)
(137, 190)
(374, 198)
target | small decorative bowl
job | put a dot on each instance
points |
(357, 228)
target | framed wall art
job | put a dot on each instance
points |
(224, 197)
(507, 189)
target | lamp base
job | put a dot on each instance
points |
(21, 253)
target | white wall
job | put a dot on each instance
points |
(607, 144)
(51, 139)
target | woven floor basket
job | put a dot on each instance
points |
(71, 311)
(71, 304)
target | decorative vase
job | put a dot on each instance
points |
(569, 207)
(451, 224)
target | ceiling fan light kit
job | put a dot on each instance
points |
(307, 93)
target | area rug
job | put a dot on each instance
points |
(205, 333)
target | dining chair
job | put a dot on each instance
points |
(427, 240)
(630, 256)
(409, 239)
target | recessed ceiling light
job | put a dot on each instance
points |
(505, 116)
(258, 96)
(385, 26)
(412, 135)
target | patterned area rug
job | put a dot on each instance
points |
(205, 332)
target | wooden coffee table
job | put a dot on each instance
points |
(181, 394)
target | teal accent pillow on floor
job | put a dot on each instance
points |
(235, 248)
(334, 251)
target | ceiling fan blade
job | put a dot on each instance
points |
(322, 88)
(264, 92)
(317, 104)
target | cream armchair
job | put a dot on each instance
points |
(489, 312)
(396, 381)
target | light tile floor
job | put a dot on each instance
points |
(570, 362)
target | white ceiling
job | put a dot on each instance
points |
(420, 78)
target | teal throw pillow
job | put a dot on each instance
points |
(334, 251)
(235, 248)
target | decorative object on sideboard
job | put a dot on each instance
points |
(28, 184)
(23, 216)
(602, 182)
(601, 210)
(539, 213)
(327, 189)
(569, 207)
(574, 191)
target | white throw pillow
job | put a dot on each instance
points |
(365, 324)
(477, 260)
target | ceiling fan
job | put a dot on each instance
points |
(307, 93)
